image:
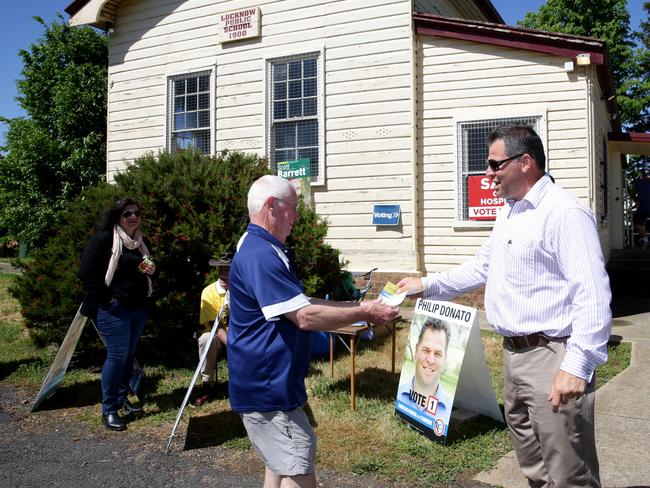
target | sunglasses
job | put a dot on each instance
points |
(130, 213)
(496, 165)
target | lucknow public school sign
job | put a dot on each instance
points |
(464, 382)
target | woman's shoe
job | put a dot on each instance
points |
(113, 421)
(130, 408)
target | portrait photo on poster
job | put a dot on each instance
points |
(433, 359)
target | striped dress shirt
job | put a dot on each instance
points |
(543, 271)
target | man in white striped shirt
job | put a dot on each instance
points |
(547, 292)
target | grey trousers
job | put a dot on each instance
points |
(553, 449)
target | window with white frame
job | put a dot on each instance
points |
(472, 151)
(189, 112)
(294, 111)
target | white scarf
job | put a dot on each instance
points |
(121, 238)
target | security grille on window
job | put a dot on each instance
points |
(294, 111)
(472, 151)
(189, 112)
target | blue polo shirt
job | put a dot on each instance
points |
(268, 355)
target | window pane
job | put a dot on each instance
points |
(202, 141)
(308, 133)
(309, 107)
(285, 155)
(312, 154)
(309, 67)
(179, 122)
(279, 91)
(182, 140)
(309, 87)
(280, 72)
(179, 104)
(204, 83)
(191, 102)
(295, 108)
(280, 110)
(179, 87)
(192, 85)
(295, 70)
(285, 136)
(295, 89)
(204, 118)
(204, 101)
(191, 120)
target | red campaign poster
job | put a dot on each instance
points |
(483, 203)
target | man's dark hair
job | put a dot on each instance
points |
(433, 325)
(519, 139)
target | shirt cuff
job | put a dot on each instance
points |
(573, 363)
(431, 289)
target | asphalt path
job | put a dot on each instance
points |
(54, 448)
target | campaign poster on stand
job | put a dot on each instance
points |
(59, 366)
(61, 362)
(443, 335)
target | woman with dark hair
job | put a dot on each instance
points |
(116, 271)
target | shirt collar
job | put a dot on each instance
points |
(536, 193)
(219, 287)
(264, 234)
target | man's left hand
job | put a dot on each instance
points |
(565, 386)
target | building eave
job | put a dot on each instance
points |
(563, 45)
(98, 13)
(637, 143)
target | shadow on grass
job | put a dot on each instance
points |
(213, 430)
(172, 401)
(461, 431)
(6, 368)
(375, 383)
(82, 394)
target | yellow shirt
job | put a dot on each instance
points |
(212, 298)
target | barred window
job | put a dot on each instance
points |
(294, 111)
(189, 112)
(472, 151)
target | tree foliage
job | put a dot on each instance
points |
(194, 209)
(59, 147)
(637, 87)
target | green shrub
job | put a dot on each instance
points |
(194, 209)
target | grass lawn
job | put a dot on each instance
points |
(370, 440)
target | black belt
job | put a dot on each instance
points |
(531, 340)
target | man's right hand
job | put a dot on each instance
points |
(378, 313)
(412, 286)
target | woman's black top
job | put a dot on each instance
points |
(129, 286)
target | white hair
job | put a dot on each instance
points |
(265, 187)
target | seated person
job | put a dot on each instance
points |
(213, 298)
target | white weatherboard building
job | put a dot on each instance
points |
(390, 100)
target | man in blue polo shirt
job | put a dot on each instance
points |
(269, 343)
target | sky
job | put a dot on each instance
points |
(18, 30)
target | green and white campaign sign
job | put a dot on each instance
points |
(300, 168)
(298, 172)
